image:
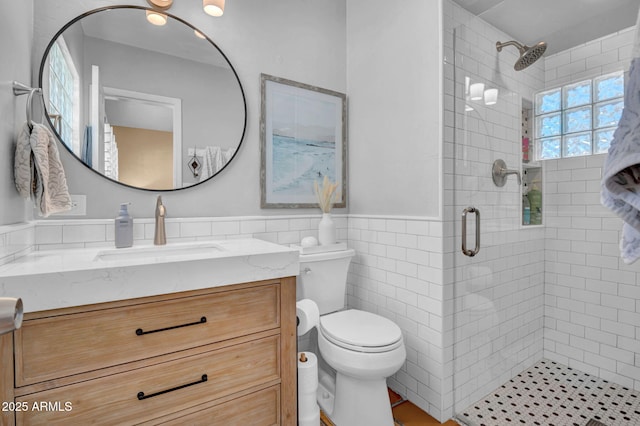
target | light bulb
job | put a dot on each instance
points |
(156, 18)
(213, 7)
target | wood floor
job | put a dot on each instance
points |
(405, 413)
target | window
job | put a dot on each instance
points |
(63, 91)
(579, 118)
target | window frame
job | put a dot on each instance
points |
(558, 129)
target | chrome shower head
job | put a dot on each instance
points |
(528, 55)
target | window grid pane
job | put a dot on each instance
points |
(577, 94)
(577, 119)
(577, 144)
(548, 125)
(550, 148)
(548, 101)
(602, 140)
(609, 86)
(607, 113)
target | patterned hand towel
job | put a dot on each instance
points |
(23, 168)
(621, 171)
(38, 170)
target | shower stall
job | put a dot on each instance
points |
(544, 290)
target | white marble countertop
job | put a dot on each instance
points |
(62, 278)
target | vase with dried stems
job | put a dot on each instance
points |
(327, 195)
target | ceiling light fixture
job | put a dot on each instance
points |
(161, 4)
(476, 91)
(491, 96)
(210, 7)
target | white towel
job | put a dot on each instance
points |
(213, 160)
(38, 170)
(621, 170)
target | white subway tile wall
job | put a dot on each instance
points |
(592, 299)
(592, 314)
(397, 273)
(597, 57)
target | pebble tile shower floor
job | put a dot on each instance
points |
(552, 394)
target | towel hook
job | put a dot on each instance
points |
(20, 89)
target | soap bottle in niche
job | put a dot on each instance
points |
(526, 210)
(124, 227)
(535, 201)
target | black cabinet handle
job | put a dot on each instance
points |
(142, 396)
(140, 332)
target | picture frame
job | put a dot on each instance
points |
(303, 138)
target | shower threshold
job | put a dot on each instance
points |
(550, 393)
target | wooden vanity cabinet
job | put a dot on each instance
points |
(218, 356)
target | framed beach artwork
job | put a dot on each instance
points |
(303, 138)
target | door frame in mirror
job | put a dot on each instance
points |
(174, 104)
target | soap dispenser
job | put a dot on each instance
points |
(124, 227)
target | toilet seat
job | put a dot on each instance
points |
(361, 331)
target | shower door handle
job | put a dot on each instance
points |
(465, 250)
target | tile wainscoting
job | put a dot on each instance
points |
(78, 233)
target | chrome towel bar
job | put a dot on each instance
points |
(20, 89)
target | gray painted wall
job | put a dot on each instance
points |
(16, 39)
(301, 41)
(394, 85)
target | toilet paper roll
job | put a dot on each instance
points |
(10, 314)
(311, 420)
(308, 409)
(307, 372)
(308, 315)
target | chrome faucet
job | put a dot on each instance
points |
(500, 172)
(160, 236)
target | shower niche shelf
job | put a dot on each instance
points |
(531, 192)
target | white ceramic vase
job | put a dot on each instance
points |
(326, 230)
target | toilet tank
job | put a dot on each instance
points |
(323, 279)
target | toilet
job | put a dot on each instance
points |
(363, 348)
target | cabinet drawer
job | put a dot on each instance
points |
(116, 399)
(107, 337)
(261, 408)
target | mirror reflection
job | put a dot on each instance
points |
(152, 107)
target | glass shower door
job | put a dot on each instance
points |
(497, 291)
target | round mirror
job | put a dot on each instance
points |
(156, 107)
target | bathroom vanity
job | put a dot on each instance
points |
(213, 350)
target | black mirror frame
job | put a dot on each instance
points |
(107, 8)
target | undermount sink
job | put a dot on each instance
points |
(169, 250)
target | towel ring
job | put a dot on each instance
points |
(20, 89)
